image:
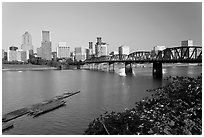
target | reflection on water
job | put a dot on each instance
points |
(100, 91)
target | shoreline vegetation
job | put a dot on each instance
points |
(24, 67)
(175, 109)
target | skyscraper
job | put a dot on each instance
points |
(45, 36)
(63, 51)
(27, 43)
(100, 48)
(80, 53)
(124, 50)
(46, 48)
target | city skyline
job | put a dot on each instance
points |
(141, 26)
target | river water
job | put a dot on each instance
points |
(100, 92)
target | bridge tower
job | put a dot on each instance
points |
(128, 70)
(157, 70)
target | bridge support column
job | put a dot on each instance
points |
(109, 67)
(128, 70)
(157, 70)
(78, 66)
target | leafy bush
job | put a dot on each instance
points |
(173, 109)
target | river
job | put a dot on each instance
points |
(100, 92)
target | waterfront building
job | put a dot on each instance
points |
(5, 55)
(46, 48)
(72, 55)
(113, 53)
(80, 53)
(18, 55)
(54, 55)
(186, 43)
(13, 48)
(101, 49)
(87, 53)
(2, 54)
(12, 54)
(124, 50)
(91, 49)
(35, 55)
(63, 51)
(39, 52)
(27, 43)
(22, 56)
(156, 50)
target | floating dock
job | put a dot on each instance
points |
(46, 108)
(6, 126)
(14, 114)
(43, 107)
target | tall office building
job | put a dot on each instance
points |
(186, 43)
(100, 48)
(184, 51)
(124, 50)
(63, 51)
(80, 53)
(87, 53)
(91, 48)
(12, 54)
(17, 55)
(156, 50)
(39, 52)
(46, 48)
(27, 43)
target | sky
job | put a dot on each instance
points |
(141, 26)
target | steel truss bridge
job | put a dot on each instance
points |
(190, 54)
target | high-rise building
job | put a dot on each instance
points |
(91, 49)
(46, 48)
(87, 53)
(113, 53)
(156, 50)
(184, 51)
(63, 51)
(13, 48)
(103, 50)
(22, 55)
(45, 36)
(39, 52)
(80, 53)
(12, 54)
(124, 50)
(100, 48)
(3, 54)
(186, 43)
(27, 43)
(17, 55)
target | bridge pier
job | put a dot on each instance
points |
(78, 66)
(109, 65)
(128, 70)
(157, 70)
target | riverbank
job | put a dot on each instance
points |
(175, 109)
(24, 67)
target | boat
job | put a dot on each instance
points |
(6, 126)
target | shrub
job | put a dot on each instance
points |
(175, 109)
